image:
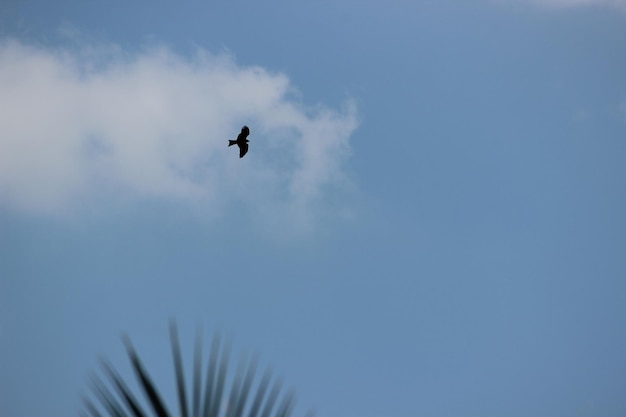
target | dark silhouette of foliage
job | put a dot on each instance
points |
(221, 397)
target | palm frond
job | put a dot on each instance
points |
(222, 396)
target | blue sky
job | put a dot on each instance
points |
(429, 222)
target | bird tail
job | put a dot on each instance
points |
(231, 142)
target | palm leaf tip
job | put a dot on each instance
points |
(213, 393)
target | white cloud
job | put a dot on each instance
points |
(80, 126)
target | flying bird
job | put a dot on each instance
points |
(242, 141)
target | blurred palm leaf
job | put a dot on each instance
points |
(241, 397)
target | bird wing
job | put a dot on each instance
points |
(243, 149)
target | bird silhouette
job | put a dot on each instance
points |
(241, 141)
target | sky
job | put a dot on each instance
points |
(429, 221)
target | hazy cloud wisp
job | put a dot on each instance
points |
(78, 124)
